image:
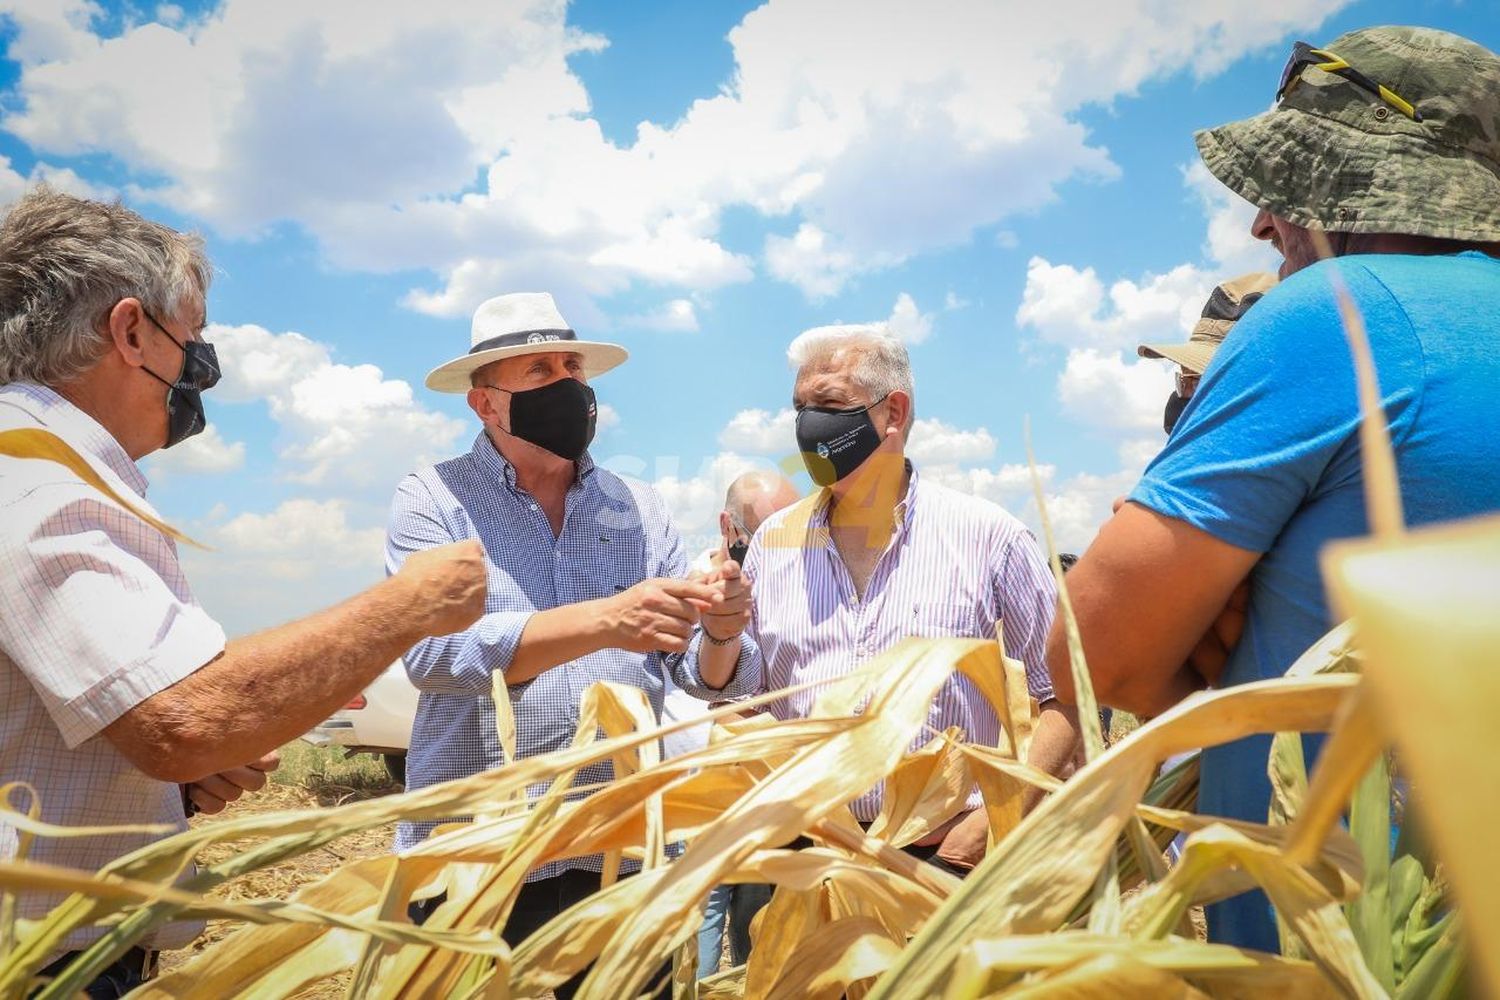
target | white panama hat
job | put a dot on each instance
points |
(520, 323)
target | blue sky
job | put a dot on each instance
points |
(1009, 184)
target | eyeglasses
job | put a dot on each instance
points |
(1304, 54)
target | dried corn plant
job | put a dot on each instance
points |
(1073, 899)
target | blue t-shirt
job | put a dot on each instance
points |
(1266, 457)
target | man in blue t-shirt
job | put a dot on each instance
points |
(1390, 141)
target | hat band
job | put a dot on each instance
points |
(522, 338)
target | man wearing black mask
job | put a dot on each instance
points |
(880, 554)
(125, 704)
(586, 574)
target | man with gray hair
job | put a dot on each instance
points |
(117, 685)
(880, 554)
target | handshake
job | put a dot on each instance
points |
(659, 614)
(448, 583)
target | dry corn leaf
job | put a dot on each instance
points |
(1425, 610)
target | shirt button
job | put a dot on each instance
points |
(533, 506)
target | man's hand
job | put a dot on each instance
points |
(211, 794)
(730, 613)
(448, 585)
(658, 614)
(966, 841)
(1208, 657)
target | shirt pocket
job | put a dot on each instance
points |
(936, 619)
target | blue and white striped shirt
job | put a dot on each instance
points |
(615, 533)
(955, 566)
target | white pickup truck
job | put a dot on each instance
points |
(378, 721)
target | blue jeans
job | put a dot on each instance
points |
(711, 934)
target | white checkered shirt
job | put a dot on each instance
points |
(615, 533)
(95, 617)
(955, 565)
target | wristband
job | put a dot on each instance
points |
(719, 642)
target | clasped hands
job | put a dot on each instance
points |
(212, 793)
(659, 614)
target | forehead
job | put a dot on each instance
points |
(828, 373)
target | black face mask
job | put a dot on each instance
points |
(559, 416)
(835, 442)
(737, 551)
(1175, 405)
(200, 370)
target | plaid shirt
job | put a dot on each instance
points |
(615, 534)
(95, 617)
(954, 566)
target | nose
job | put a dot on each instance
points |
(1261, 227)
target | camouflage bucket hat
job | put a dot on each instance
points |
(1386, 130)
(1230, 300)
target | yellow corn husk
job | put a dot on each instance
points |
(1219, 970)
(34, 443)
(1424, 606)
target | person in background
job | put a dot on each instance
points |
(750, 499)
(125, 704)
(586, 576)
(1228, 302)
(880, 554)
(1385, 140)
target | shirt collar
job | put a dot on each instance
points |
(76, 427)
(490, 459)
(901, 516)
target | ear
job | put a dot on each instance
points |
(897, 412)
(726, 527)
(489, 408)
(125, 325)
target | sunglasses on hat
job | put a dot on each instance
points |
(1304, 55)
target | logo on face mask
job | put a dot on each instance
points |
(835, 442)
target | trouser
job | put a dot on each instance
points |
(123, 975)
(537, 903)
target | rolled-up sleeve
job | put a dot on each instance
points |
(96, 613)
(1027, 598)
(460, 663)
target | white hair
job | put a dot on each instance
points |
(65, 262)
(882, 365)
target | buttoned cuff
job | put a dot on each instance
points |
(744, 682)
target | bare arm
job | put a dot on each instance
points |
(271, 687)
(1157, 610)
(653, 615)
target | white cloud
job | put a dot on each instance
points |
(1009, 485)
(875, 148)
(676, 315)
(285, 540)
(272, 567)
(908, 322)
(761, 432)
(1069, 306)
(206, 453)
(1229, 243)
(1102, 391)
(808, 260)
(933, 442)
(608, 417)
(342, 426)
